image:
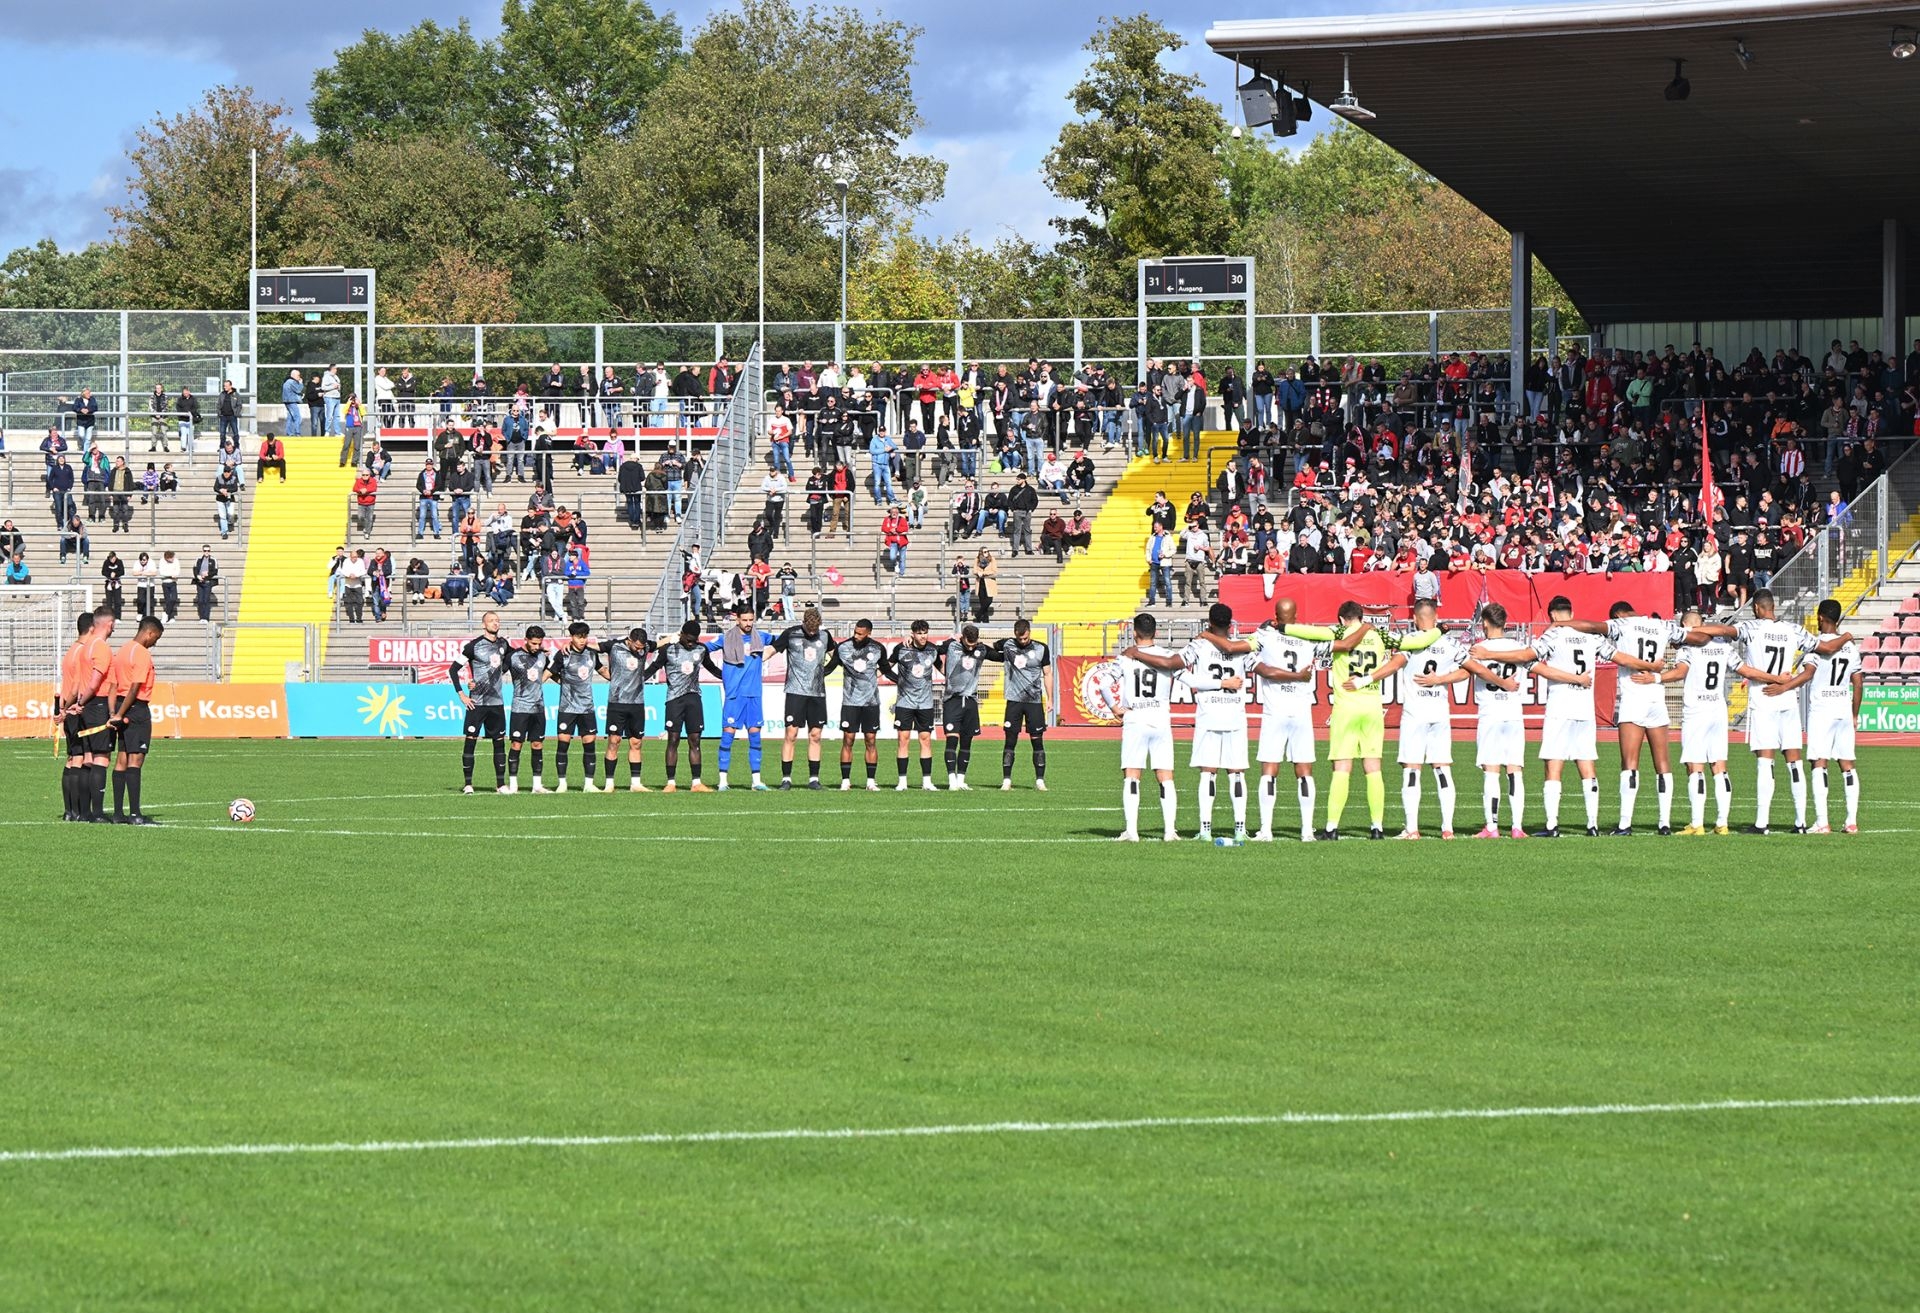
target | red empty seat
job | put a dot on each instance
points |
(1870, 664)
(1872, 644)
(1911, 643)
(1908, 666)
(1909, 607)
(1910, 624)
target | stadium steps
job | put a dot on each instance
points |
(1109, 582)
(180, 523)
(297, 524)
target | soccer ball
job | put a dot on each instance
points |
(1226, 841)
(240, 810)
(1103, 692)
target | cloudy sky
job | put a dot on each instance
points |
(992, 78)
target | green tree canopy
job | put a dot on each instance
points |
(429, 79)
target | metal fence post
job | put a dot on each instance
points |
(479, 348)
(959, 344)
(126, 417)
(1079, 355)
(1433, 334)
(1193, 358)
(1313, 336)
(1881, 536)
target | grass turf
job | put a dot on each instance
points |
(380, 958)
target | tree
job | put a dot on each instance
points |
(44, 277)
(1140, 158)
(183, 233)
(568, 75)
(670, 212)
(429, 79)
(456, 288)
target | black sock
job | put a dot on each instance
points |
(466, 760)
(965, 754)
(786, 770)
(846, 770)
(513, 764)
(926, 768)
(499, 762)
(98, 790)
(538, 753)
(560, 755)
(68, 774)
(1006, 757)
(952, 755)
(133, 790)
(901, 763)
(813, 769)
(586, 763)
(1039, 757)
(119, 792)
(873, 770)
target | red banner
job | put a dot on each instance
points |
(1074, 712)
(1462, 594)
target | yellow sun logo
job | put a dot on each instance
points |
(384, 709)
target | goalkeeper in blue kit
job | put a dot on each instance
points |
(743, 654)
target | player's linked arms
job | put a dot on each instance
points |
(1552, 675)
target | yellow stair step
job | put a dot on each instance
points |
(294, 528)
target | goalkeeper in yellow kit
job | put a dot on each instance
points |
(1357, 727)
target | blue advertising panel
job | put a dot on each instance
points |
(415, 711)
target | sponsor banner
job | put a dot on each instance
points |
(413, 711)
(1074, 712)
(429, 658)
(181, 710)
(1461, 595)
(1890, 709)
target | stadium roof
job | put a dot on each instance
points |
(1761, 195)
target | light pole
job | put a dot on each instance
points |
(841, 185)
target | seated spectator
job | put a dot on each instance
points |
(17, 572)
(273, 456)
(1053, 536)
(1079, 532)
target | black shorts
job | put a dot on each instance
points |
(626, 720)
(489, 721)
(94, 713)
(860, 720)
(529, 726)
(907, 719)
(76, 743)
(1031, 716)
(686, 717)
(136, 736)
(961, 716)
(804, 711)
(579, 724)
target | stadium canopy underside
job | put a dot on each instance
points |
(1784, 184)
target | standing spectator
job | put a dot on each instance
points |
(426, 487)
(353, 586)
(383, 398)
(330, 399)
(380, 583)
(86, 411)
(159, 420)
(113, 573)
(759, 580)
(60, 489)
(292, 393)
(226, 497)
(315, 402)
(986, 589)
(93, 477)
(880, 454)
(169, 571)
(1160, 564)
(894, 539)
(273, 456)
(206, 577)
(120, 495)
(1021, 504)
(229, 411)
(353, 427)
(186, 414)
(406, 392)
(336, 571)
(577, 572)
(366, 490)
(146, 580)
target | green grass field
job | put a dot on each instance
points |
(380, 959)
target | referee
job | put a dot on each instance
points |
(78, 681)
(130, 683)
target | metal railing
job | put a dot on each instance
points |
(1855, 544)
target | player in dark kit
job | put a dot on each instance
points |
(573, 669)
(861, 658)
(806, 647)
(484, 697)
(960, 661)
(911, 668)
(528, 720)
(682, 662)
(626, 705)
(131, 685)
(1026, 663)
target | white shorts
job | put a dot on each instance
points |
(1830, 736)
(1703, 735)
(1287, 737)
(1426, 742)
(1773, 724)
(1500, 743)
(1146, 745)
(1220, 749)
(1642, 704)
(1562, 739)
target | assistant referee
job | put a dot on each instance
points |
(130, 684)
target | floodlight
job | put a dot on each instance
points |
(1906, 41)
(1346, 104)
(1679, 88)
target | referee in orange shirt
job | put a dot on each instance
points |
(83, 713)
(131, 681)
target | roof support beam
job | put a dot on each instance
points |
(1520, 324)
(1893, 289)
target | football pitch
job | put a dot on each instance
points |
(389, 1047)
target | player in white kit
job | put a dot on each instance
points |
(1495, 665)
(1834, 691)
(1567, 659)
(1770, 651)
(1705, 672)
(1146, 733)
(1286, 668)
(1640, 704)
(1426, 721)
(1216, 666)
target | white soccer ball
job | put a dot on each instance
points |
(1103, 692)
(240, 810)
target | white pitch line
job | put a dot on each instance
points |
(959, 1128)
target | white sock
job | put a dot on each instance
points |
(1550, 799)
(1797, 786)
(1308, 800)
(1207, 791)
(1130, 805)
(1763, 791)
(1169, 805)
(1237, 790)
(1490, 797)
(1410, 797)
(1820, 795)
(1697, 798)
(1663, 783)
(756, 777)
(1590, 788)
(1850, 781)
(1629, 794)
(1723, 789)
(1269, 794)
(1443, 784)
(1516, 798)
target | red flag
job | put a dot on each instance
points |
(1711, 499)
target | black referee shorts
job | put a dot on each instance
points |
(806, 712)
(860, 720)
(1031, 716)
(488, 721)
(626, 720)
(529, 726)
(136, 736)
(961, 716)
(72, 725)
